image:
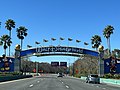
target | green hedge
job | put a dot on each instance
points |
(15, 77)
(112, 76)
(9, 73)
(77, 75)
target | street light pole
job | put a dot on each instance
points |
(101, 63)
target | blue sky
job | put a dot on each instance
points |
(77, 19)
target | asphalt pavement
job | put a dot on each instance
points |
(52, 82)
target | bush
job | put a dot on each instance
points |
(113, 76)
(77, 75)
(117, 76)
(108, 76)
(8, 73)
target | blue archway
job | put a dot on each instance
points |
(58, 50)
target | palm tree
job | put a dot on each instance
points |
(96, 41)
(9, 25)
(5, 40)
(107, 32)
(21, 33)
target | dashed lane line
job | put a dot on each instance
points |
(31, 85)
(67, 86)
(104, 88)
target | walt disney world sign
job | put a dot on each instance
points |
(60, 50)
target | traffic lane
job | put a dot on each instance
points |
(20, 84)
(77, 84)
(50, 83)
(82, 84)
(39, 83)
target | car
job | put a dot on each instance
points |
(60, 74)
(93, 78)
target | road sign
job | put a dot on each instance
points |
(64, 64)
(55, 64)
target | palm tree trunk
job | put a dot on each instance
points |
(10, 38)
(20, 67)
(10, 33)
(109, 47)
(9, 50)
(96, 49)
(5, 51)
(108, 42)
(4, 47)
(21, 43)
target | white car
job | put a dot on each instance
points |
(93, 78)
(60, 75)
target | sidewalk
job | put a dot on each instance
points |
(108, 81)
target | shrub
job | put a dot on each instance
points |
(77, 75)
(113, 76)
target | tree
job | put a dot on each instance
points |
(117, 53)
(21, 33)
(96, 41)
(86, 65)
(107, 33)
(5, 40)
(9, 25)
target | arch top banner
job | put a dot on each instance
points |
(58, 49)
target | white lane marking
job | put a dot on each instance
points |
(62, 82)
(97, 86)
(31, 85)
(38, 81)
(67, 86)
(103, 88)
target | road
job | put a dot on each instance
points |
(51, 82)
